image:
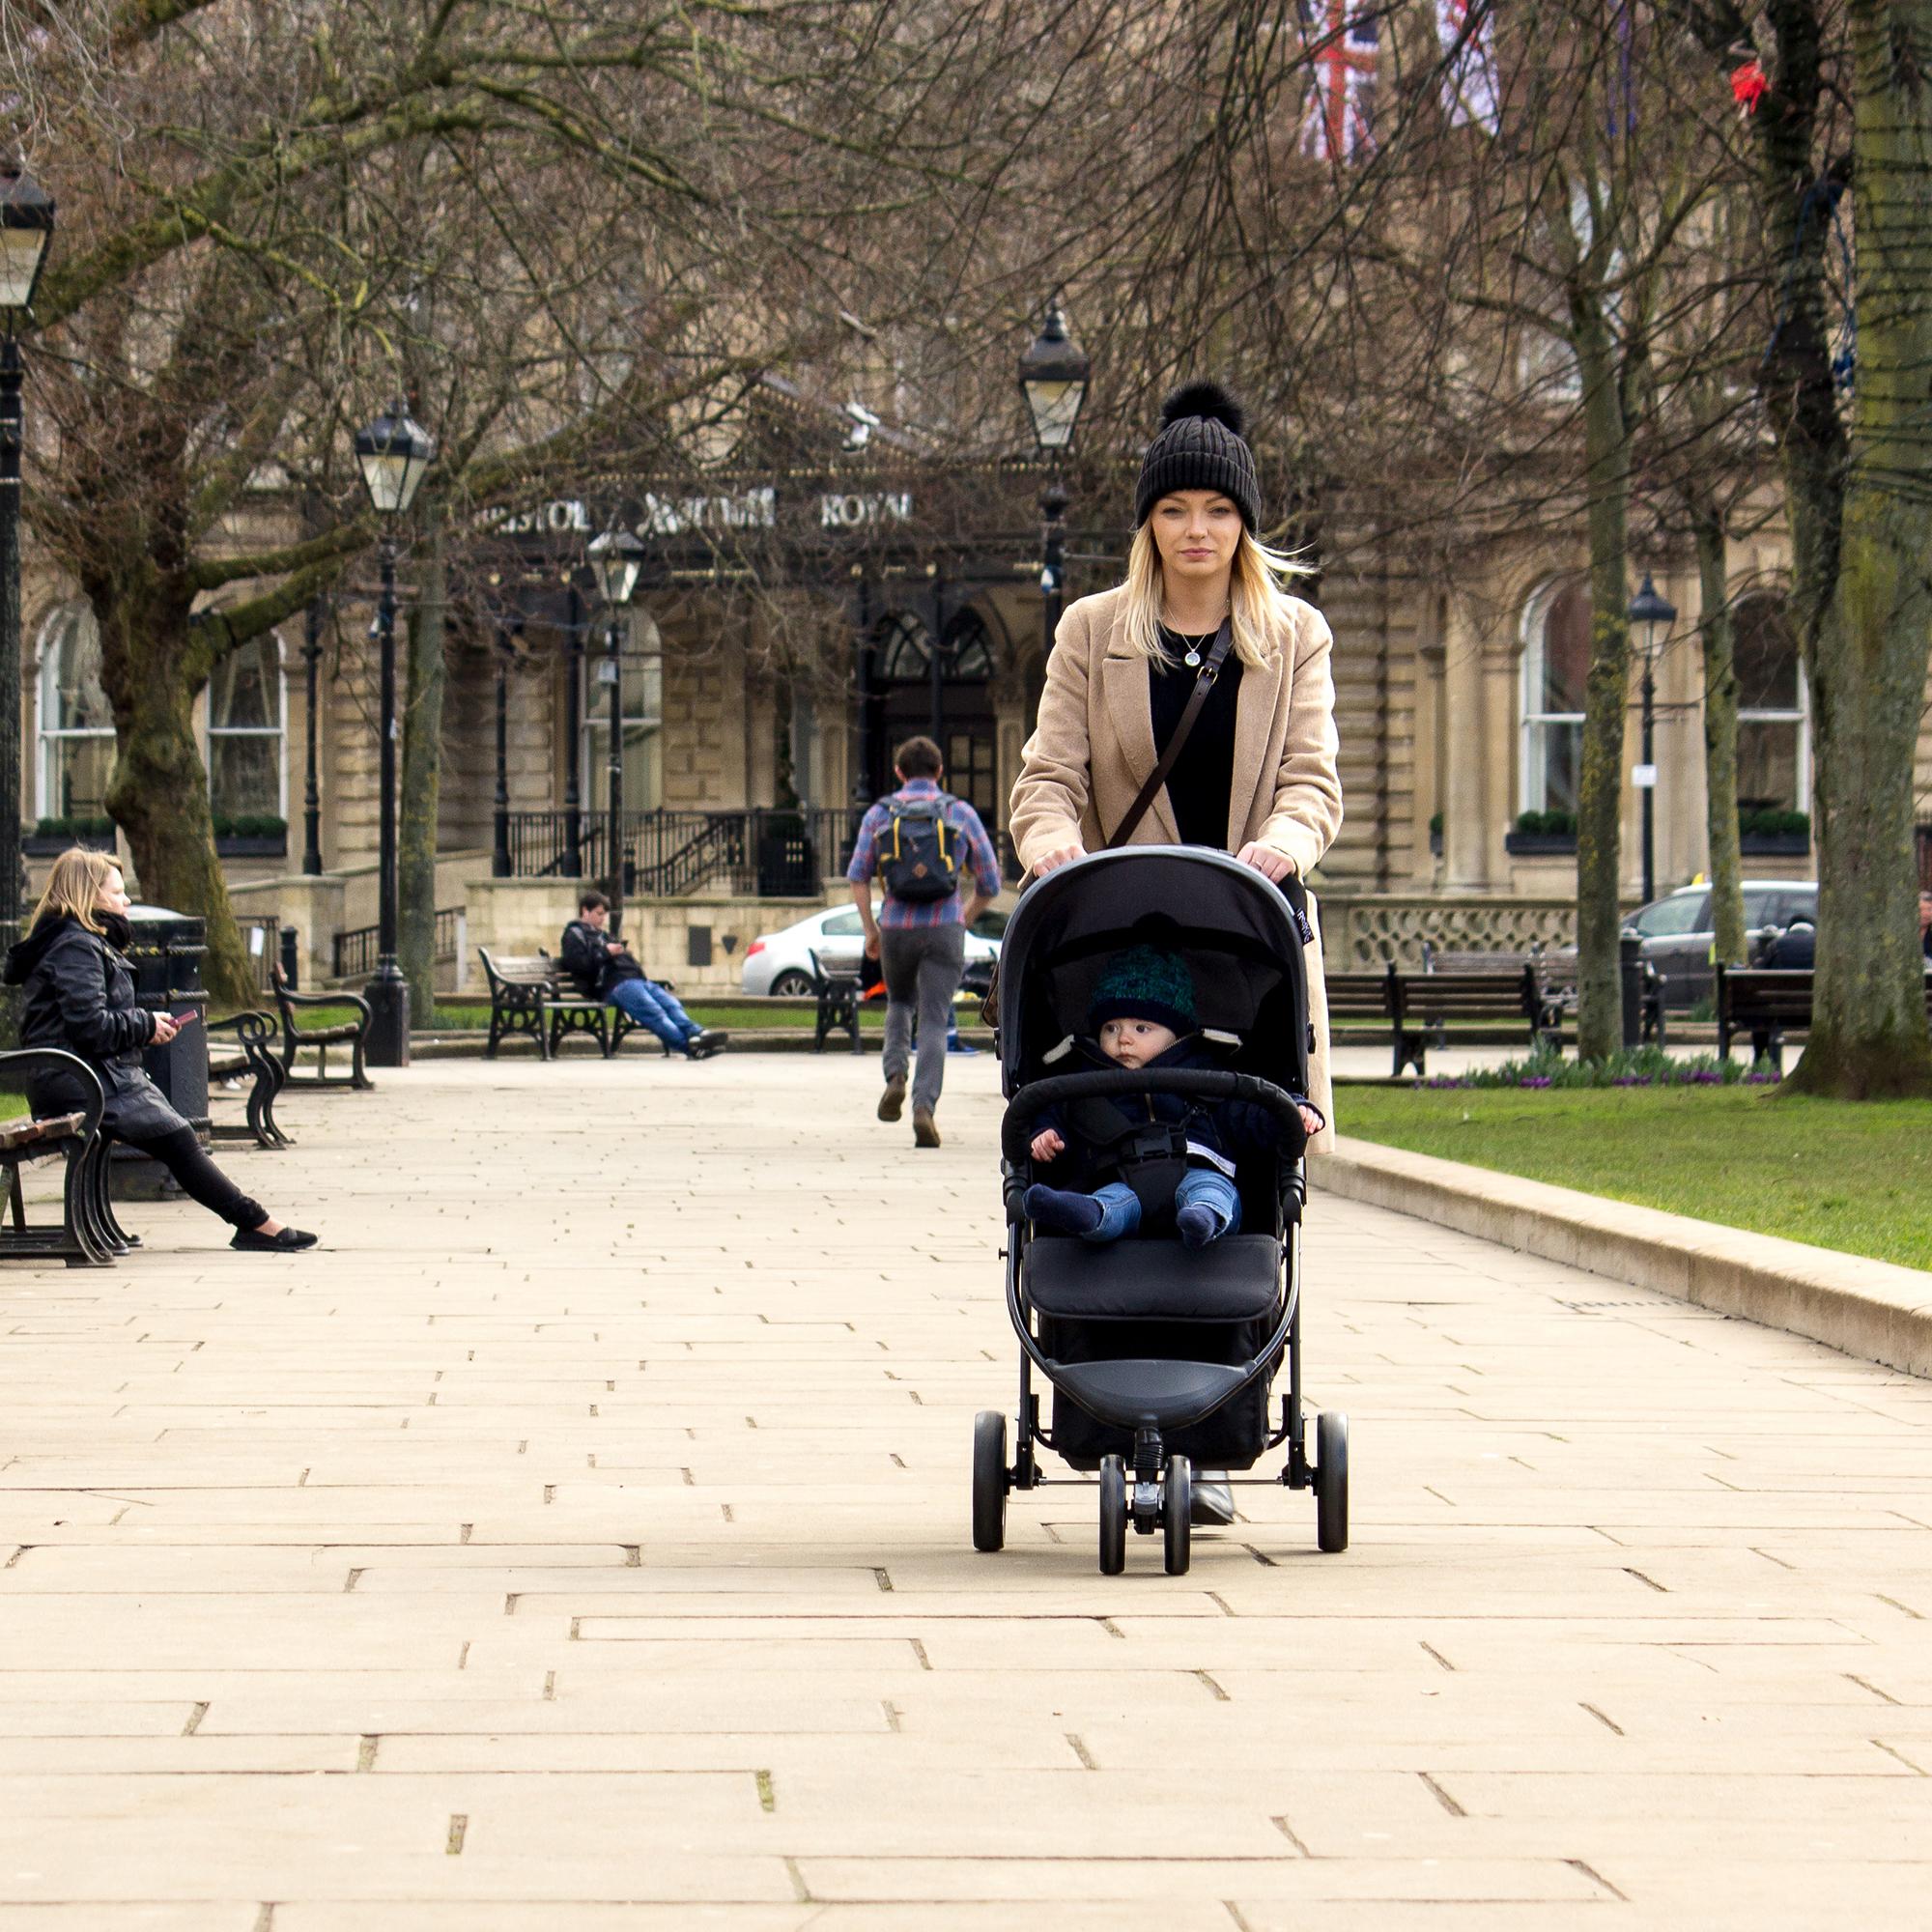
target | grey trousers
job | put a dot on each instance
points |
(922, 967)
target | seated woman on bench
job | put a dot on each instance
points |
(80, 998)
(605, 971)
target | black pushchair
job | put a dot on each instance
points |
(1161, 1360)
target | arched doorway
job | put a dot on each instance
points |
(908, 696)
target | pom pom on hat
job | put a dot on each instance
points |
(1204, 399)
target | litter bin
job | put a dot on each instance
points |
(165, 958)
(787, 864)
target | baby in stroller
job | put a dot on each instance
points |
(1172, 1161)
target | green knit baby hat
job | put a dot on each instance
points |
(1144, 983)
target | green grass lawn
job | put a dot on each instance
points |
(1855, 1178)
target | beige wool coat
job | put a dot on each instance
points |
(1093, 748)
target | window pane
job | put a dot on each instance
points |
(245, 690)
(1562, 763)
(244, 774)
(842, 925)
(78, 702)
(78, 770)
(1566, 651)
(1768, 765)
(1676, 914)
(1766, 655)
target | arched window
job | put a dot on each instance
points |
(640, 663)
(246, 769)
(1774, 724)
(1555, 669)
(76, 727)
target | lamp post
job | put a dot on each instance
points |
(311, 787)
(1650, 610)
(618, 558)
(571, 861)
(1054, 375)
(508, 626)
(393, 452)
(26, 227)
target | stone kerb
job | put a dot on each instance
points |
(1862, 1307)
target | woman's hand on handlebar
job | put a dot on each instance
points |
(1266, 861)
(1061, 855)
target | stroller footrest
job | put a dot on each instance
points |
(1161, 1395)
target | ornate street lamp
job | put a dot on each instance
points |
(618, 559)
(1054, 375)
(508, 623)
(26, 228)
(1653, 612)
(393, 452)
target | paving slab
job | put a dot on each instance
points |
(579, 1538)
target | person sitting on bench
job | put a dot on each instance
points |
(605, 971)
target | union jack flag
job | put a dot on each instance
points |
(1338, 121)
(1466, 35)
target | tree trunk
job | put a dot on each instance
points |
(422, 777)
(1607, 694)
(153, 670)
(1721, 736)
(1868, 1033)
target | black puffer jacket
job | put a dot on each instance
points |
(80, 998)
(588, 960)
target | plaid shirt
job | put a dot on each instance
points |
(896, 915)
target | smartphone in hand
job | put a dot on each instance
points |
(182, 1019)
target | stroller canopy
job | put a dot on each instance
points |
(1234, 929)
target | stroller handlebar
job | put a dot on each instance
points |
(1032, 1100)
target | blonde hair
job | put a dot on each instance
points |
(74, 888)
(1255, 599)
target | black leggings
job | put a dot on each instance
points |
(179, 1152)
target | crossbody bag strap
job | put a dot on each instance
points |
(1204, 685)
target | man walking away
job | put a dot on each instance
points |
(940, 872)
(605, 971)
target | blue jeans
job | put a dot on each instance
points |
(656, 1007)
(1208, 1186)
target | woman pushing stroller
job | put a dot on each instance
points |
(1172, 1161)
(1193, 704)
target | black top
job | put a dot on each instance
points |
(588, 960)
(1199, 785)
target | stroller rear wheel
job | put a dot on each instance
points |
(989, 1480)
(1177, 1505)
(1113, 1515)
(1332, 1481)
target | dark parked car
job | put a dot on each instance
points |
(1678, 931)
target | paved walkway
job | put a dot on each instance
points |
(583, 1537)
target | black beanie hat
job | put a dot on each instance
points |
(1198, 446)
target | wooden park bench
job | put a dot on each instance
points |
(252, 1057)
(533, 998)
(87, 1235)
(1376, 999)
(1767, 1002)
(1413, 1011)
(296, 1037)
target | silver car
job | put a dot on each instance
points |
(1678, 930)
(780, 962)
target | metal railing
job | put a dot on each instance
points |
(765, 852)
(355, 951)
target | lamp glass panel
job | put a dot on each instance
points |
(20, 252)
(1055, 407)
(387, 477)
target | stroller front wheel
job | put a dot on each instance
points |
(1331, 1482)
(989, 1480)
(1113, 1515)
(1176, 1511)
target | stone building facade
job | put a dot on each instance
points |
(786, 634)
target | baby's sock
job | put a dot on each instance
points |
(1198, 1224)
(1062, 1213)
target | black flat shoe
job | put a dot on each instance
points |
(290, 1241)
(702, 1046)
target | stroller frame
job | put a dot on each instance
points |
(1153, 1487)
